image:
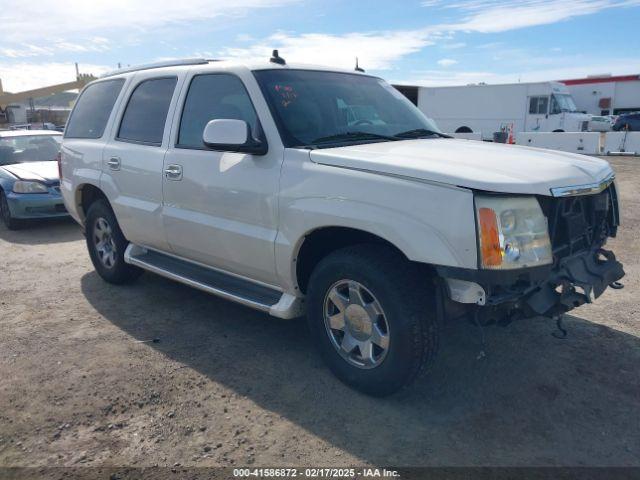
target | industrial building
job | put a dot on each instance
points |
(606, 94)
(50, 104)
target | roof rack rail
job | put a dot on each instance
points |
(168, 63)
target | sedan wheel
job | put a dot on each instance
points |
(10, 222)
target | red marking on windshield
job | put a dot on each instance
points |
(287, 94)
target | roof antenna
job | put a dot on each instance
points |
(275, 58)
(358, 69)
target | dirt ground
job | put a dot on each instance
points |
(82, 383)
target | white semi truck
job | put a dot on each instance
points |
(485, 109)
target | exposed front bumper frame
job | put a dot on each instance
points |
(592, 273)
(548, 291)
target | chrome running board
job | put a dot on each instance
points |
(222, 284)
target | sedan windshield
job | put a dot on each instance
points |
(29, 148)
(324, 109)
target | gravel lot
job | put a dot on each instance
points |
(82, 384)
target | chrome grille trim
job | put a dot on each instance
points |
(587, 189)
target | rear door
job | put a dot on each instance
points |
(85, 136)
(133, 158)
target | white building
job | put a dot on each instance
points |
(606, 94)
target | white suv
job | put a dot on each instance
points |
(297, 189)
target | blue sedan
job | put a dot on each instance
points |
(29, 180)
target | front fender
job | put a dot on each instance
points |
(429, 223)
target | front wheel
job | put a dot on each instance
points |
(9, 222)
(106, 244)
(373, 318)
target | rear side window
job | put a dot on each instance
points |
(211, 97)
(92, 110)
(146, 113)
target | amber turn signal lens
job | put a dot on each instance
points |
(489, 238)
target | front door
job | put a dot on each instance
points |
(220, 208)
(537, 114)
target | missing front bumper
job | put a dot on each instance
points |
(591, 273)
(547, 291)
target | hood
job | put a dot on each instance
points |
(39, 171)
(467, 163)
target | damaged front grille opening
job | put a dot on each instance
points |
(578, 229)
(581, 223)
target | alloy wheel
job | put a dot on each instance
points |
(104, 242)
(356, 324)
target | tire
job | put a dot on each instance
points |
(464, 130)
(9, 222)
(406, 299)
(558, 131)
(106, 245)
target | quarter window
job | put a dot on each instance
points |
(92, 110)
(146, 113)
(211, 97)
(538, 105)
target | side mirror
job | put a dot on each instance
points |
(233, 136)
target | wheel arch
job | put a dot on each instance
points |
(322, 241)
(85, 195)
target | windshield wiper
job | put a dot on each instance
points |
(420, 132)
(353, 136)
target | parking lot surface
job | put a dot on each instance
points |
(156, 373)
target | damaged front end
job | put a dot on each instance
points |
(579, 226)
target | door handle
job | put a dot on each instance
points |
(173, 172)
(114, 163)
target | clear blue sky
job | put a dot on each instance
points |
(430, 42)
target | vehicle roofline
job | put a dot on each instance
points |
(222, 65)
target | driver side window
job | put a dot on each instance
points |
(555, 107)
(538, 105)
(211, 97)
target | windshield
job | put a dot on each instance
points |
(562, 103)
(323, 109)
(29, 148)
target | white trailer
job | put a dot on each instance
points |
(485, 109)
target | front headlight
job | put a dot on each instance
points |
(512, 231)
(29, 187)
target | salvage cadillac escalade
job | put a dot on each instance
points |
(305, 190)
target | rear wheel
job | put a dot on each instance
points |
(373, 318)
(10, 222)
(107, 244)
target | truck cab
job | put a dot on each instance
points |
(551, 109)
